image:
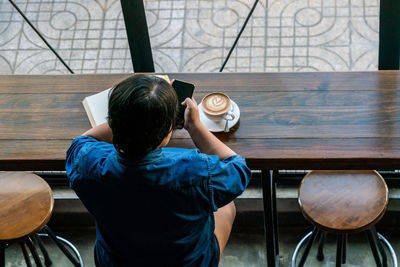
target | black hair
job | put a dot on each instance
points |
(142, 111)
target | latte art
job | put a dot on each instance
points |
(216, 103)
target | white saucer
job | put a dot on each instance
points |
(219, 126)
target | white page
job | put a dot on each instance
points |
(96, 106)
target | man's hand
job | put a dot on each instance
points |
(201, 136)
(192, 118)
(101, 132)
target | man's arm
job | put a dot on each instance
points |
(201, 136)
(101, 132)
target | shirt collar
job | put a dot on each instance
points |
(149, 158)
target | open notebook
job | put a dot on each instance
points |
(96, 106)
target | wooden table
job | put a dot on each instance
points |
(323, 120)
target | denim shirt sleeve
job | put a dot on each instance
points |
(85, 156)
(228, 179)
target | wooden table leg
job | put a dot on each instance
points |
(270, 217)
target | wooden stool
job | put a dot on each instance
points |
(26, 205)
(343, 202)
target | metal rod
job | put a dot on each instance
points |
(2, 255)
(344, 249)
(372, 243)
(269, 213)
(41, 36)
(70, 245)
(339, 250)
(390, 248)
(34, 253)
(238, 36)
(380, 247)
(56, 240)
(298, 247)
(275, 176)
(138, 35)
(26, 254)
(389, 35)
(303, 258)
(320, 255)
(47, 260)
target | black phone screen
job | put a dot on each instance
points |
(183, 90)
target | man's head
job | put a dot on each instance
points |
(141, 112)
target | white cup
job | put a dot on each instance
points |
(225, 114)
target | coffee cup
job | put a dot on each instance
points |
(217, 106)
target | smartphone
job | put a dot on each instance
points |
(183, 90)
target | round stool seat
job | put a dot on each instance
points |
(26, 205)
(343, 201)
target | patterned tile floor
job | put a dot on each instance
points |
(193, 35)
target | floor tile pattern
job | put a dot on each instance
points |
(193, 35)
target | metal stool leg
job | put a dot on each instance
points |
(308, 247)
(320, 255)
(379, 244)
(344, 249)
(2, 255)
(339, 250)
(390, 249)
(372, 243)
(62, 247)
(34, 253)
(298, 247)
(47, 260)
(26, 254)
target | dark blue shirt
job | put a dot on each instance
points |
(156, 210)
